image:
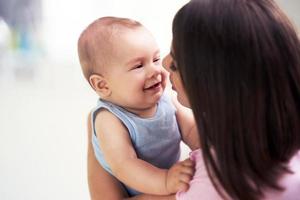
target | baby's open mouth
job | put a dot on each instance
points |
(153, 86)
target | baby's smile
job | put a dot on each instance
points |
(153, 86)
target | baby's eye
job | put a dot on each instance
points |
(173, 67)
(137, 66)
(156, 60)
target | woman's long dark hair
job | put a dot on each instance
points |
(240, 64)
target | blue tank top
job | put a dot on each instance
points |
(156, 140)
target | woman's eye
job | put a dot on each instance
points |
(173, 67)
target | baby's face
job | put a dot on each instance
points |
(136, 77)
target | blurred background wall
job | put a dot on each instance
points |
(44, 99)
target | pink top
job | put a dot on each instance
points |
(202, 187)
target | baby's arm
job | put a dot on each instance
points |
(102, 185)
(119, 153)
(187, 124)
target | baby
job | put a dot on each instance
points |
(136, 136)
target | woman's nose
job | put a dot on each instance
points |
(167, 62)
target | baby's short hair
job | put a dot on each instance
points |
(94, 43)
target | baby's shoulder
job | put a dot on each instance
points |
(105, 119)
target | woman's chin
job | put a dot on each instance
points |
(183, 101)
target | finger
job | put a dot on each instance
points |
(183, 186)
(188, 162)
(185, 163)
(185, 178)
(188, 170)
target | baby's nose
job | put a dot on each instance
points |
(154, 70)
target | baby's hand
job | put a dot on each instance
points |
(179, 176)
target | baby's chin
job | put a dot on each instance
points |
(160, 94)
(155, 98)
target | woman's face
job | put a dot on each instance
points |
(175, 79)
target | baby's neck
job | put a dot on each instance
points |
(147, 112)
(143, 113)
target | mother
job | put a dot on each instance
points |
(236, 63)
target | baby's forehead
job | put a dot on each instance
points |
(114, 39)
(119, 26)
(114, 42)
(114, 34)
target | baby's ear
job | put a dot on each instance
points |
(100, 85)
